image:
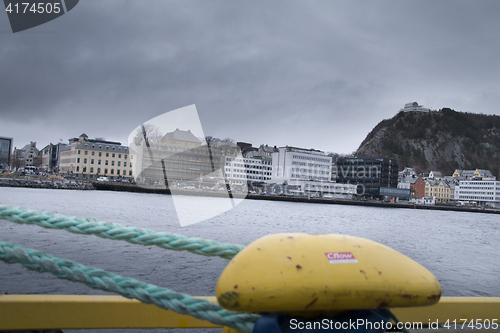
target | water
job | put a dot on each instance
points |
(461, 249)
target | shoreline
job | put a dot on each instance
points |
(124, 187)
(134, 188)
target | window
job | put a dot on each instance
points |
(77, 168)
(100, 154)
(98, 170)
(124, 172)
(99, 162)
(118, 171)
(92, 161)
(118, 163)
(130, 164)
(107, 154)
(125, 156)
(91, 170)
(124, 164)
(112, 171)
(112, 162)
(105, 171)
(78, 160)
(84, 169)
(93, 153)
(106, 162)
(107, 148)
(79, 152)
(113, 155)
(86, 152)
(130, 173)
(84, 160)
(114, 148)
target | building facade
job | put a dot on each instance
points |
(438, 189)
(483, 192)
(51, 157)
(414, 107)
(239, 169)
(178, 157)
(91, 158)
(5, 153)
(292, 163)
(27, 157)
(370, 174)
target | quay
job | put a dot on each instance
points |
(369, 203)
(129, 187)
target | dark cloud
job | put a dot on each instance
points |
(318, 74)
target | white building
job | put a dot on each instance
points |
(484, 192)
(27, 156)
(239, 170)
(291, 163)
(414, 107)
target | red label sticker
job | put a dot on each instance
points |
(340, 257)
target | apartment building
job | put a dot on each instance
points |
(292, 163)
(483, 191)
(91, 158)
(438, 189)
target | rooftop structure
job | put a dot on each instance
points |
(414, 107)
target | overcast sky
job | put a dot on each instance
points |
(312, 74)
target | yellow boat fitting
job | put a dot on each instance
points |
(307, 272)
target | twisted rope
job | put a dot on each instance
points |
(127, 287)
(116, 231)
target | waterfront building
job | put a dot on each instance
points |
(178, 157)
(480, 191)
(370, 174)
(415, 184)
(292, 163)
(438, 189)
(91, 158)
(27, 157)
(414, 107)
(240, 170)
(5, 152)
(51, 156)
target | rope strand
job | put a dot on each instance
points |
(127, 287)
(116, 231)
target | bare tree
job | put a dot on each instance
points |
(152, 134)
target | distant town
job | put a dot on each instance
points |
(180, 160)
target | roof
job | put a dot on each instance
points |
(411, 104)
(181, 135)
(83, 135)
(485, 173)
(409, 179)
(437, 182)
(437, 174)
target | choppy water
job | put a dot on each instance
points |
(461, 249)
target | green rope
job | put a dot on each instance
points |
(127, 287)
(115, 231)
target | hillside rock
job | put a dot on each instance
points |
(442, 140)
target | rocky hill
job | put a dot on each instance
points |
(442, 140)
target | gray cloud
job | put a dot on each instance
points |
(319, 74)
